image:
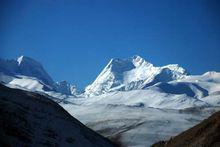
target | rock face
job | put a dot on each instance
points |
(132, 73)
(205, 134)
(30, 119)
(65, 88)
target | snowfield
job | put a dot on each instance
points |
(136, 125)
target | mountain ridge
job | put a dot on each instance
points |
(132, 73)
(27, 67)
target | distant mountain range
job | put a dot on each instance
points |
(133, 73)
(131, 100)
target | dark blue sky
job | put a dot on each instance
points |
(75, 39)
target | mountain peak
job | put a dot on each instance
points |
(24, 59)
(117, 65)
(138, 61)
(132, 62)
(26, 66)
(132, 73)
(136, 57)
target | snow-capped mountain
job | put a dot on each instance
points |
(25, 66)
(132, 73)
(27, 73)
(167, 101)
(140, 103)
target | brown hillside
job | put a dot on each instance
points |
(205, 134)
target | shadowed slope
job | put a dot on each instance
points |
(30, 119)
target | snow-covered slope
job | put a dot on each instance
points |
(143, 117)
(35, 85)
(25, 82)
(30, 119)
(206, 86)
(132, 73)
(123, 118)
(191, 91)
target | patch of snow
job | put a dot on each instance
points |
(19, 60)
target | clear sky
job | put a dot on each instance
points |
(75, 39)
